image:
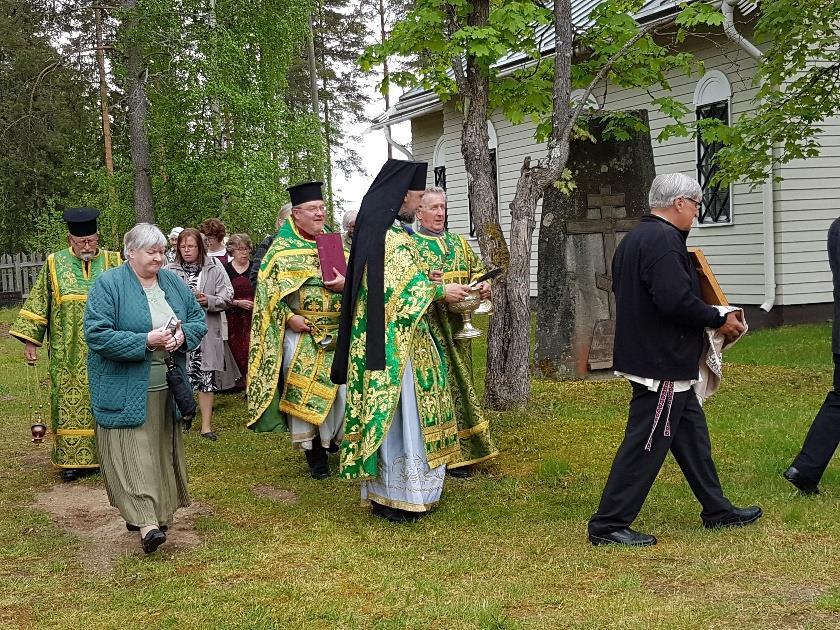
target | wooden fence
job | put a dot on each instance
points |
(17, 275)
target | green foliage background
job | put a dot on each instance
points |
(224, 141)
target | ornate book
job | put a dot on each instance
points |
(331, 254)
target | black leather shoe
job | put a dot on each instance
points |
(626, 536)
(805, 486)
(737, 518)
(153, 540)
(210, 435)
(70, 474)
(459, 473)
(392, 514)
(135, 528)
(318, 461)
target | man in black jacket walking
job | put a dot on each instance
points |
(824, 435)
(660, 319)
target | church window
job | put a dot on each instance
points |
(712, 99)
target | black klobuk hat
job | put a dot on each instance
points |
(81, 221)
(307, 191)
(418, 182)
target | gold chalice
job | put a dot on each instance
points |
(466, 307)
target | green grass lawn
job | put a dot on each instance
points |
(507, 549)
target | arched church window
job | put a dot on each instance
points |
(712, 100)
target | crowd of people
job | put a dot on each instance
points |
(355, 352)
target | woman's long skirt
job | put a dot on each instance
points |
(144, 468)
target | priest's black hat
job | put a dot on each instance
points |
(418, 182)
(380, 208)
(81, 221)
(306, 191)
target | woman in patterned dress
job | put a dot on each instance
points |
(210, 284)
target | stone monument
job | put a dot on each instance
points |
(578, 236)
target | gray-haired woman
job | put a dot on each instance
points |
(136, 314)
(348, 226)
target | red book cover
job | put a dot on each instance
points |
(331, 254)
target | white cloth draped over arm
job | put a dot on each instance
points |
(711, 363)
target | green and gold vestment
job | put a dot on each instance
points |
(452, 254)
(289, 283)
(373, 395)
(55, 309)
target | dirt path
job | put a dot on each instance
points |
(84, 511)
(275, 494)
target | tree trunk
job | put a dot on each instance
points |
(103, 95)
(328, 170)
(144, 206)
(313, 72)
(328, 163)
(506, 379)
(508, 383)
(215, 105)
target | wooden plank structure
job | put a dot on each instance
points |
(17, 275)
(709, 287)
(601, 351)
(613, 224)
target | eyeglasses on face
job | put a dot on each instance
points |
(311, 210)
(694, 201)
(88, 240)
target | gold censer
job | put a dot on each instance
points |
(466, 307)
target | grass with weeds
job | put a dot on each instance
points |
(505, 549)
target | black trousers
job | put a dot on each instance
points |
(824, 434)
(635, 468)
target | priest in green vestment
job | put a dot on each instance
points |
(400, 430)
(447, 257)
(54, 311)
(293, 332)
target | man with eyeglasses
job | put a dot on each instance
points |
(659, 324)
(293, 334)
(55, 309)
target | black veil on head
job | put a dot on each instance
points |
(377, 214)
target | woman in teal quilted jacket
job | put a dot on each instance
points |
(139, 444)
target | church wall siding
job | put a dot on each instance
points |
(806, 201)
(425, 132)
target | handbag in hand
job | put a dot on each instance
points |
(181, 392)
